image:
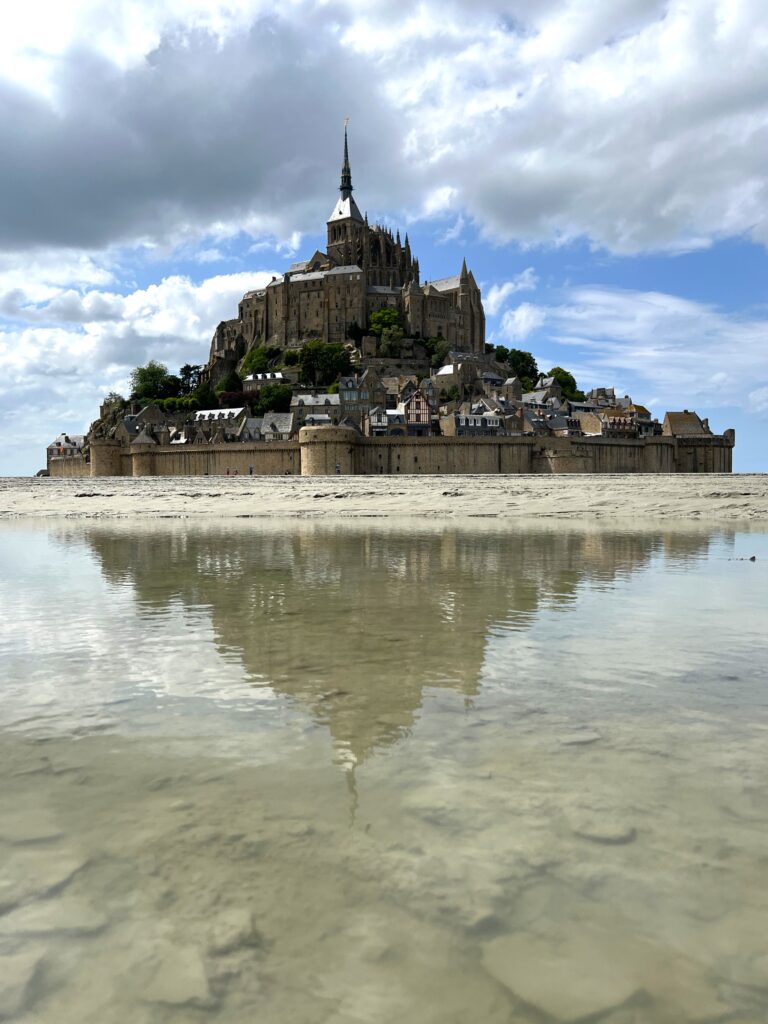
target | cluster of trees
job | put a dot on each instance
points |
(260, 360)
(321, 363)
(320, 366)
(523, 366)
(154, 381)
(174, 392)
(387, 325)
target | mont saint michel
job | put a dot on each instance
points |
(350, 363)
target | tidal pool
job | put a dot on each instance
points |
(410, 772)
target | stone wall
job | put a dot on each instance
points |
(71, 466)
(452, 455)
(275, 458)
(327, 451)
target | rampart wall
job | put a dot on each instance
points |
(69, 466)
(326, 451)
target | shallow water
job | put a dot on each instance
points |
(414, 773)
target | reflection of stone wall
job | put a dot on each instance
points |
(355, 625)
(321, 450)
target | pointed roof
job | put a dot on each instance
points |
(346, 207)
(144, 438)
(346, 172)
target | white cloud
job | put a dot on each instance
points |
(675, 348)
(453, 233)
(639, 124)
(40, 275)
(496, 296)
(517, 324)
(74, 348)
(758, 400)
(209, 256)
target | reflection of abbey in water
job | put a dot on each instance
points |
(356, 625)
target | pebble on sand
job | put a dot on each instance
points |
(180, 979)
(233, 929)
(568, 981)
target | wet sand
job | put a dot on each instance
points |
(721, 498)
(332, 771)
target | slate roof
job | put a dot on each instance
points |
(446, 284)
(685, 424)
(68, 441)
(314, 275)
(144, 438)
(345, 209)
(351, 268)
(302, 399)
(218, 414)
(277, 423)
(273, 375)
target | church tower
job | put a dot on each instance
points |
(346, 227)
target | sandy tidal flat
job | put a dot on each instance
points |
(715, 497)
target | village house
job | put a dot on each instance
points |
(253, 383)
(305, 404)
(361, 393)
(464, 423)
(418, 414)
(278, 426)
(65, 446)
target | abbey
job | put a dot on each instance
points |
(364, 268)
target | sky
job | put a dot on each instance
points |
(602, 164)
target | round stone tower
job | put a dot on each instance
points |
(327, 451)
(105, 457)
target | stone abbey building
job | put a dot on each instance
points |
(364, 268)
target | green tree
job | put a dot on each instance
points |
(154, 381)
(501, 354)
(205, 396)
(256, 361)
(114, 399)
(189, 375)
(321, 364)
(384, 318)
(523, 365)
(390, 346)
(567, 382)
(437, 350)
(230, 383)
(273, 398)
(291, 357)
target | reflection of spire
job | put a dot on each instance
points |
(353, 797)
(346, 173)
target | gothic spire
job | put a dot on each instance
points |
(346, 173)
